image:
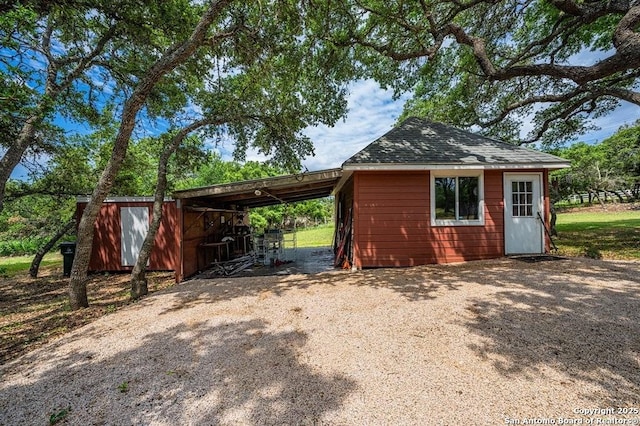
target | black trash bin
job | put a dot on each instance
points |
(68, 251)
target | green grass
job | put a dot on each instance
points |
(10, 266)
(599, 234)
(610, 235)
(320, 236)
(607, 235)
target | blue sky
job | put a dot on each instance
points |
(373, 112)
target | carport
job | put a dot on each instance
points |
(214, 220)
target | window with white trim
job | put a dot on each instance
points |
(457, 198)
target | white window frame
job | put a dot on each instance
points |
(457, 174)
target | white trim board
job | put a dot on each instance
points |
(86, 199)
(501, 166)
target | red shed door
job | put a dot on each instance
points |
(523, 231)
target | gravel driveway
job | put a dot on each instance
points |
(492, 342)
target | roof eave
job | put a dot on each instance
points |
(454, 166)
(346, 174)
(132, 199)
(275, 182)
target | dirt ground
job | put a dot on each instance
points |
(35, 311)
(479, 343)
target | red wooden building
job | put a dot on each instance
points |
(120, 229)
(199, 225)
(422, 193)
(430, 193)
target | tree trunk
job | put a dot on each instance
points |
(595, 194)
(14, 153)
(175, 56)
(54, 86)
(139, 286)
(35, 264)
(552, 222)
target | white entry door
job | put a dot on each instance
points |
(523, 230)
(134, 225)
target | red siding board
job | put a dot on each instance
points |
(413, 198)
(393, 228)
(107, 244)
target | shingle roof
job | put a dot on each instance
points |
(419, 141)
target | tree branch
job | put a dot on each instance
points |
(172, 58)
(87, 61)
(624, 94)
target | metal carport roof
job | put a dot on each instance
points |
(264, 192)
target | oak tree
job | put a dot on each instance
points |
(276, 80)
(495, 65)
(251, 70)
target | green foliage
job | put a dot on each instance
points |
(622, 151)
(613, 164)
(35, 210)
(492, 66)
(123, 387)
(301, 214)
(22, 247)
(250, 68)
(59, 416)
(260, 77)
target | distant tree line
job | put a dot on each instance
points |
(38, 208)
(610, 168)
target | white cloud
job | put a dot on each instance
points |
(371, 113)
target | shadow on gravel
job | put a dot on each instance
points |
(194, 373)
(577, 316)
(551, 318)
(415, 283)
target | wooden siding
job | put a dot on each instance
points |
(393, 223)
(201, 227)
(106, 249)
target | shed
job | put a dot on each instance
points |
(427, 193)
(199, 225)
(120, 230)
(422, 193)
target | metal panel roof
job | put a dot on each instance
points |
(264, 192)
